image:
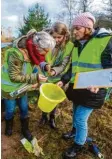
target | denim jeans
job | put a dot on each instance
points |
(10, 106)
(80, 119)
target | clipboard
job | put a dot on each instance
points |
(100, 78)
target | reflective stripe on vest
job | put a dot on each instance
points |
(90, 57)
(87, 65)
(24, 68)
(7, 84)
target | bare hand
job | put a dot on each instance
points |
(52, 73)
(60, 84)
(42, 78)
(47, 68)
(93, 89)
(35, 85)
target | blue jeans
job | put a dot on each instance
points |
(10, 106)
(80, 119)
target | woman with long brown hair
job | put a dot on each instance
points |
(57, 61)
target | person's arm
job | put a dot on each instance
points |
(67, 76)
(60, 68)
(106, 57)
(15, 71)
(106, 60)
(43, 65)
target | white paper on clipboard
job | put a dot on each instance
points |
(101, 78)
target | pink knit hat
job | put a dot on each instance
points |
(85, 19)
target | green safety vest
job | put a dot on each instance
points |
(51, 60)
(90, 57)
(6, 84)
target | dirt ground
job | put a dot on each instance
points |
(100, 129)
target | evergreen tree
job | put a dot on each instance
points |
(36, 19)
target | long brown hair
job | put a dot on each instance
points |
(61, 29)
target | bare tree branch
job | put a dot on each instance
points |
(72, 8)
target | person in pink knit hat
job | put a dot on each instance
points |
(83, 26)
(92, 51)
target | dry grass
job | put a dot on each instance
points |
(100, 128)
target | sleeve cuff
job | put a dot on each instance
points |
(42, 65)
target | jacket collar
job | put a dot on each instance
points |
(25, 54)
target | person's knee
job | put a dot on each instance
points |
(9, 115)
(24, 106)
(81, 123)
(24, 112)
(10, 110)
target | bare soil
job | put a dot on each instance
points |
(100, 129)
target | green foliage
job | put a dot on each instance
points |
(36, 19)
